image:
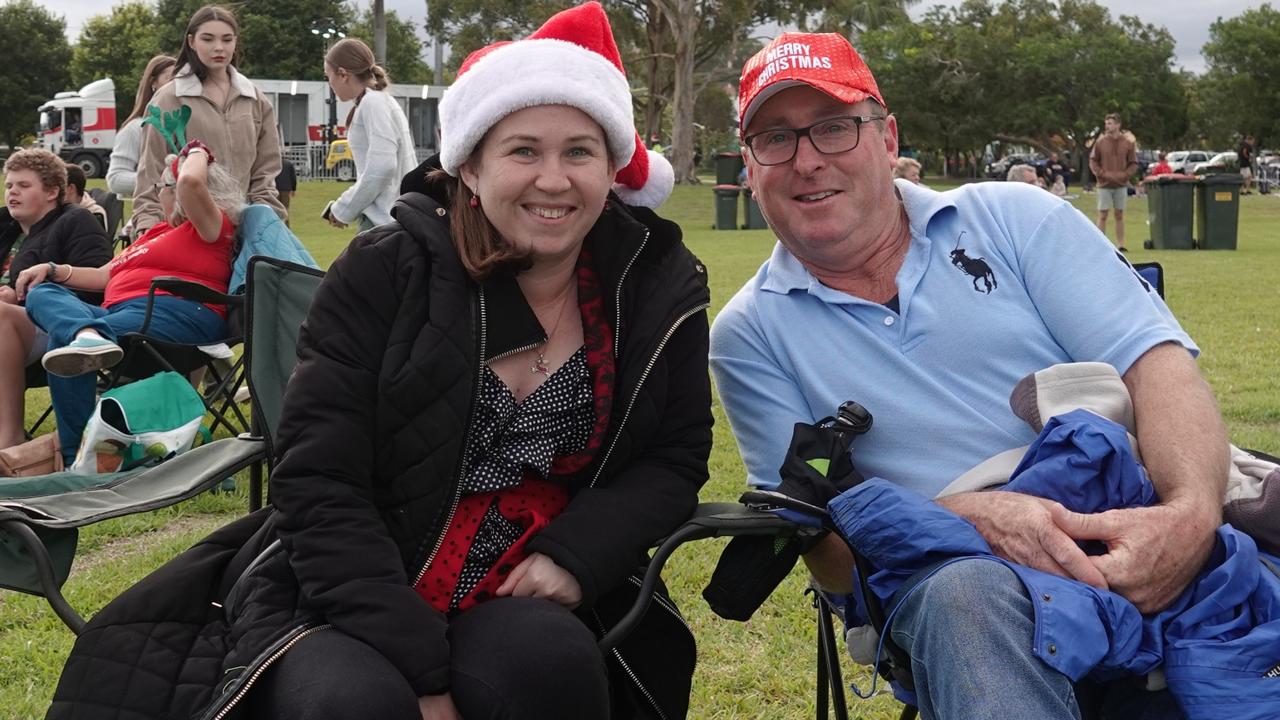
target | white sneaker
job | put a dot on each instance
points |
(85, 354)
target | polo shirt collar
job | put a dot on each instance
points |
(785, 273)
(186, 84)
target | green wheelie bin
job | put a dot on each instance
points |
(1218, 211)
(751, 212)
(1170, 201)
(728, 165)
(726, 206)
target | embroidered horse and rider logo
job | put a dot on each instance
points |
(976, 268)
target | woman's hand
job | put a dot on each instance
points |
(29, 278)
(437, 707)
(8, 295)
(335, 221)
(540, 576)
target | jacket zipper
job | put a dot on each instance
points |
(630, 673)
(262, 667)
(617, 299)
(640, 384)
(466, 450)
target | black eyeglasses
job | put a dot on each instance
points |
(830, 136)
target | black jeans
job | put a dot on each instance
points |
(510, 658)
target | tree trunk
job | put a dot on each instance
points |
(654, 105)
(682, 17)
(379, 33)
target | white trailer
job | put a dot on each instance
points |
(303, 115)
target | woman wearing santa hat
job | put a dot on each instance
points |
(501, 402)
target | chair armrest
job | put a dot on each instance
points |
(719, 519)
(180, 478)
(193, 290)
(188, 289)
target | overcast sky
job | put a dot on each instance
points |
(1187, 20)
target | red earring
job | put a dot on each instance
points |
(474, 201)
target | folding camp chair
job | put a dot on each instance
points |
(40, 517)
(145, 356)
(752, 517)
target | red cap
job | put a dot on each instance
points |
(823, 61)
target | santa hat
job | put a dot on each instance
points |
(571, 60)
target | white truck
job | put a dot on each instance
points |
(80, 127)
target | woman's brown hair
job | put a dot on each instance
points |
(187, 57)
(356, 58)
(480, 246)
(155, 68)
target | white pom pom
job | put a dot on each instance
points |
(662, 178)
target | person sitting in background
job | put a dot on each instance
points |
(907, 169)
(1161, 167)
(36, 228)
(378, 131)
(122, 173)
(202, 202)
(1024, 174)
(76, 195)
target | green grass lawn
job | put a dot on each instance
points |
(759, 669)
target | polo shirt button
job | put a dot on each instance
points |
(888, 320)
(1053, 649)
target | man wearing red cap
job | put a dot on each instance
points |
(928, 308)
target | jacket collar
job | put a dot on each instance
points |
(186, 84)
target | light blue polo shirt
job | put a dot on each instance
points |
(1000, 280)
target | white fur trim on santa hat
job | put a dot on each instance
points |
(528, 73)
(656, 190)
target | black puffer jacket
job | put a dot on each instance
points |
(374, 432)
(68, 234)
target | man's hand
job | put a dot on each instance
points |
(8, 295)
(29, 278)
(539, 576)
(1152, 552)
(437, 707)
(1029, 531)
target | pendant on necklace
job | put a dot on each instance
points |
(540, 366)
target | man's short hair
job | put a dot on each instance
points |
(1116, 117)
(50, 168)
(1021, 173)
(76, 178)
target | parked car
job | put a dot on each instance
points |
(1000, 168)
(1223, 162)
(1181, 161)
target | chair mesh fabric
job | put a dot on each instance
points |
(279, 294)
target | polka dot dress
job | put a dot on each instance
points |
(507, 492)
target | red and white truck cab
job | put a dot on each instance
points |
(80, 127)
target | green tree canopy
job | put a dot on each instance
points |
(117, 45)
(1240, 93)
(275, 37)
(404, 49)
(1036, 72)
(37, 67)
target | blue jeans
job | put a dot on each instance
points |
(969, 631)
(61, 314)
